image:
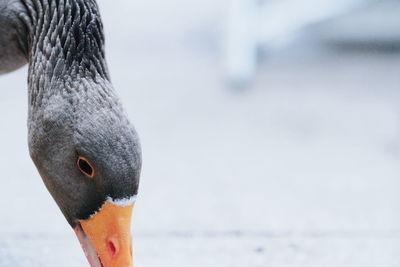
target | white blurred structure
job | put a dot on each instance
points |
(271, 23)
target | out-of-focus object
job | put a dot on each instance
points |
(274, 23)
(376, 26)
(242, 40)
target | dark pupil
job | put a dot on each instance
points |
(85, 167)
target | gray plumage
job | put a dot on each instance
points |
(73, 108)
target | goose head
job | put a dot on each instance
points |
(89, 158)
(85, 149)
(82, 143)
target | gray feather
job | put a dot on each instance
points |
(73, 108)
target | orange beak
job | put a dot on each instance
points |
(106, 237)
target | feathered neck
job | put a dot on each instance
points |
(65, 42)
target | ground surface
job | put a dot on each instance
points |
(301, 169)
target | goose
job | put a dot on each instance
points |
(80, 139)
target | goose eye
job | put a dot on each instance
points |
(85, 167)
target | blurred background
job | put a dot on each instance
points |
(270, 133)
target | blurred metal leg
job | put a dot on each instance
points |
(273, 24)
(241, 42)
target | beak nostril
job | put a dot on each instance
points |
(112, 248)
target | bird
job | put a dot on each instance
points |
(80, 139)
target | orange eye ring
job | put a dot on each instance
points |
(85, 167)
